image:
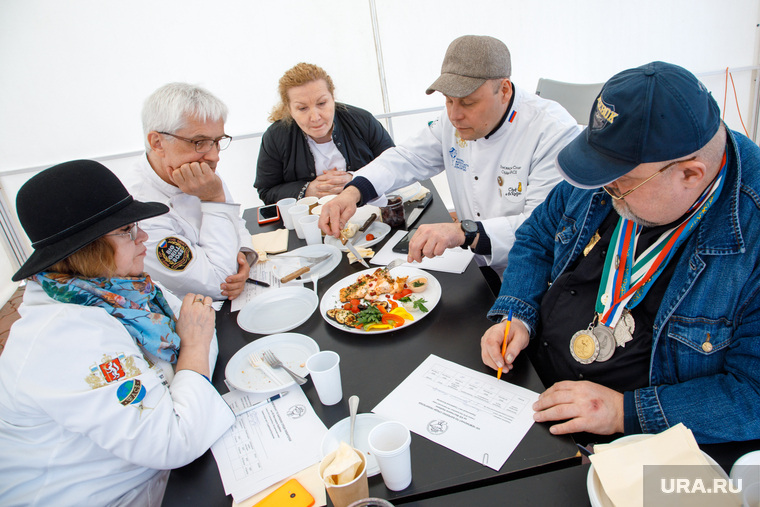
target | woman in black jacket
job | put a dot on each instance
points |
(314, 143)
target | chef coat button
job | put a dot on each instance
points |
(707, 346)
(477, 214)
(476, 178)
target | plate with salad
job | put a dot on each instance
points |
(376, 301)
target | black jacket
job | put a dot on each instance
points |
(286, 163)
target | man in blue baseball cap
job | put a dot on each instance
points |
(635, 287)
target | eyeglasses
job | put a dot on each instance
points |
(132, 232)
(205, 145)
(615, 195)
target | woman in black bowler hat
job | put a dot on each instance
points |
(103, 383)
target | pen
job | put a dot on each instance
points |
(262, 402)
(257, 282)
(504, 344)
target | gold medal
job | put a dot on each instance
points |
(606, 341)
(584, 347)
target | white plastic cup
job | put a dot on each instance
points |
(296, 212)
(311, 230)
(390, 442)
(284, 205)
(324, 368)
(310, 201)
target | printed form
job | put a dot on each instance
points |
(471, 413)
(268, 444)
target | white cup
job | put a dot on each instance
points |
(284, 205)
(310, 201)
(389, 442)
(296, 212)
(311, 230)
(324, 368)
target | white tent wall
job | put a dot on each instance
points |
(75, 73)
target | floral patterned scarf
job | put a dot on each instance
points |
(136, 301)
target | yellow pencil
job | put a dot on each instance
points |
(504, 344)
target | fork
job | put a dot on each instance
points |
(394, 263)
(260, 363)
(274, 362)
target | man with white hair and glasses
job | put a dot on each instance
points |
(201, 244)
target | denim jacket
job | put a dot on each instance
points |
(705, 363)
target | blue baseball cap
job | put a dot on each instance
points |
(653, 113)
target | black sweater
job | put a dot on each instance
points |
(286, 163)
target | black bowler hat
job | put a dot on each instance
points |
(70, 205)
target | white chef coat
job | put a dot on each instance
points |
(76, 428)
(498, 181)
(209, 234)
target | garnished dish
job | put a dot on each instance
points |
(376, 301)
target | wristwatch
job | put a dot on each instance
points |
(470, 229)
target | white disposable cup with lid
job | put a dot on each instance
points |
(390, 442)
(296, 212)
(324, 368)
(284, 205)
(311, 231)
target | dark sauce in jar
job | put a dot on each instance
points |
(393, 212)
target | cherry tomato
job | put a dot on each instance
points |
(370, 237)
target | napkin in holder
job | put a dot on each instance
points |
(344, 468)
(344, 475)
(620, 465)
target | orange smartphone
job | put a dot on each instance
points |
(290, 494)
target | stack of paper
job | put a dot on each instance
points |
(453, 260)
(269, 444)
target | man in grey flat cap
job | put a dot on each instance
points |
(496, 142)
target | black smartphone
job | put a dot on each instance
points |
(268, 214)
(402, 246)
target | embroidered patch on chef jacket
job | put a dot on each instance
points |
(510, 184)
(111, 369)
(174, 253)
(130, 392)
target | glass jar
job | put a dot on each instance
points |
(393, 212)
(371, 502)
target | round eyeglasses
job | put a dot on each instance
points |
(205, 145)
(617, 196)
(132, 232)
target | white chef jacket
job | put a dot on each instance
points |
(84, 418)
(193, 247)
(498, 181)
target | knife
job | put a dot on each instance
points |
(305, 269)
(360, 233)
(353, 250)
(417, 211)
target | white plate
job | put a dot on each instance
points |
(285, 265)
(408, 192)
(596, 493)
(432, 295)
(341, 432)
(278, 310)
(377, 229)
(292, 349)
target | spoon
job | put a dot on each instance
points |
(353, 406)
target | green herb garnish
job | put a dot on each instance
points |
(418, 304)
(370, 315)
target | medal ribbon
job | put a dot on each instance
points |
(626, 283)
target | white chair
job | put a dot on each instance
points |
(576, 98)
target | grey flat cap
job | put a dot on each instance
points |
(470, 61)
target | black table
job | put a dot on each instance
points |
(373, 365)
